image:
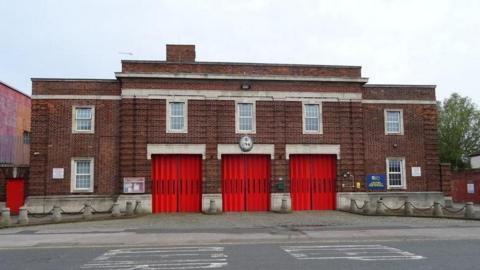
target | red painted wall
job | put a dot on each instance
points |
(459, 186)
(15, 108)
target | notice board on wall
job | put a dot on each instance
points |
(470, 188)
(134, 185)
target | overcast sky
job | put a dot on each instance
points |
(404, 41)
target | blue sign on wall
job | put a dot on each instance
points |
(376, 182)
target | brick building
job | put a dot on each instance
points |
(180, 135)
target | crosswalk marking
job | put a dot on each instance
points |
(350, 252)
(160, 258)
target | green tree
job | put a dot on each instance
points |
(459, 130)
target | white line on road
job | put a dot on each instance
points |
(160, 258)
(350, 252)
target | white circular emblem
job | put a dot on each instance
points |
(246, 143)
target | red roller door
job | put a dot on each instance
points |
(245, 182)
(176, 183)
(312, 182)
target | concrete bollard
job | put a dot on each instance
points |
(380, 208)
(56, 214)
(448, 203)
(353, 207)
(87, 212)
(129, 209)
(284, 205)
(6, 219)
(116, 210)
(469, 211)
(437, 209)
(212, 207)
(366, 207)
(139, 210)
(408, 209)
(23, 216)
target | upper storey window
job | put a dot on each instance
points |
(83, 119)
(245, 117)
(312, 118)
(393, 122)
(177, 117)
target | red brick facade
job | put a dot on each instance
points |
(125, 123)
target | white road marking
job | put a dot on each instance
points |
(160, 258)
(350, 252)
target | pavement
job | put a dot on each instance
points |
(300, 240)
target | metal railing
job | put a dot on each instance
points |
(14, 150)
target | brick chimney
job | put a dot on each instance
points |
(180, 53)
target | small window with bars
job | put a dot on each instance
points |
(393, 122)
(83, 119)
(396, 172)
(245, 117)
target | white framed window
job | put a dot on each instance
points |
(312, 118)
(245, 117)
(394, 122)
(83, 119)
(82, 175)
(177, 116)
(396, 173)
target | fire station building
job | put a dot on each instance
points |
(185, 136)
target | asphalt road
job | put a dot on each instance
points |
(331, 240)
(429, 254)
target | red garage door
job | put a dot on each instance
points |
(245, 182)
(312, 182)
(176, 183)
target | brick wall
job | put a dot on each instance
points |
(241, 69)
(124, 127)
(53, 144)
(234, 85)
(418, 145)
(446, 178)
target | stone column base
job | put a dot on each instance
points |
(217, 198)
(276, 201)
